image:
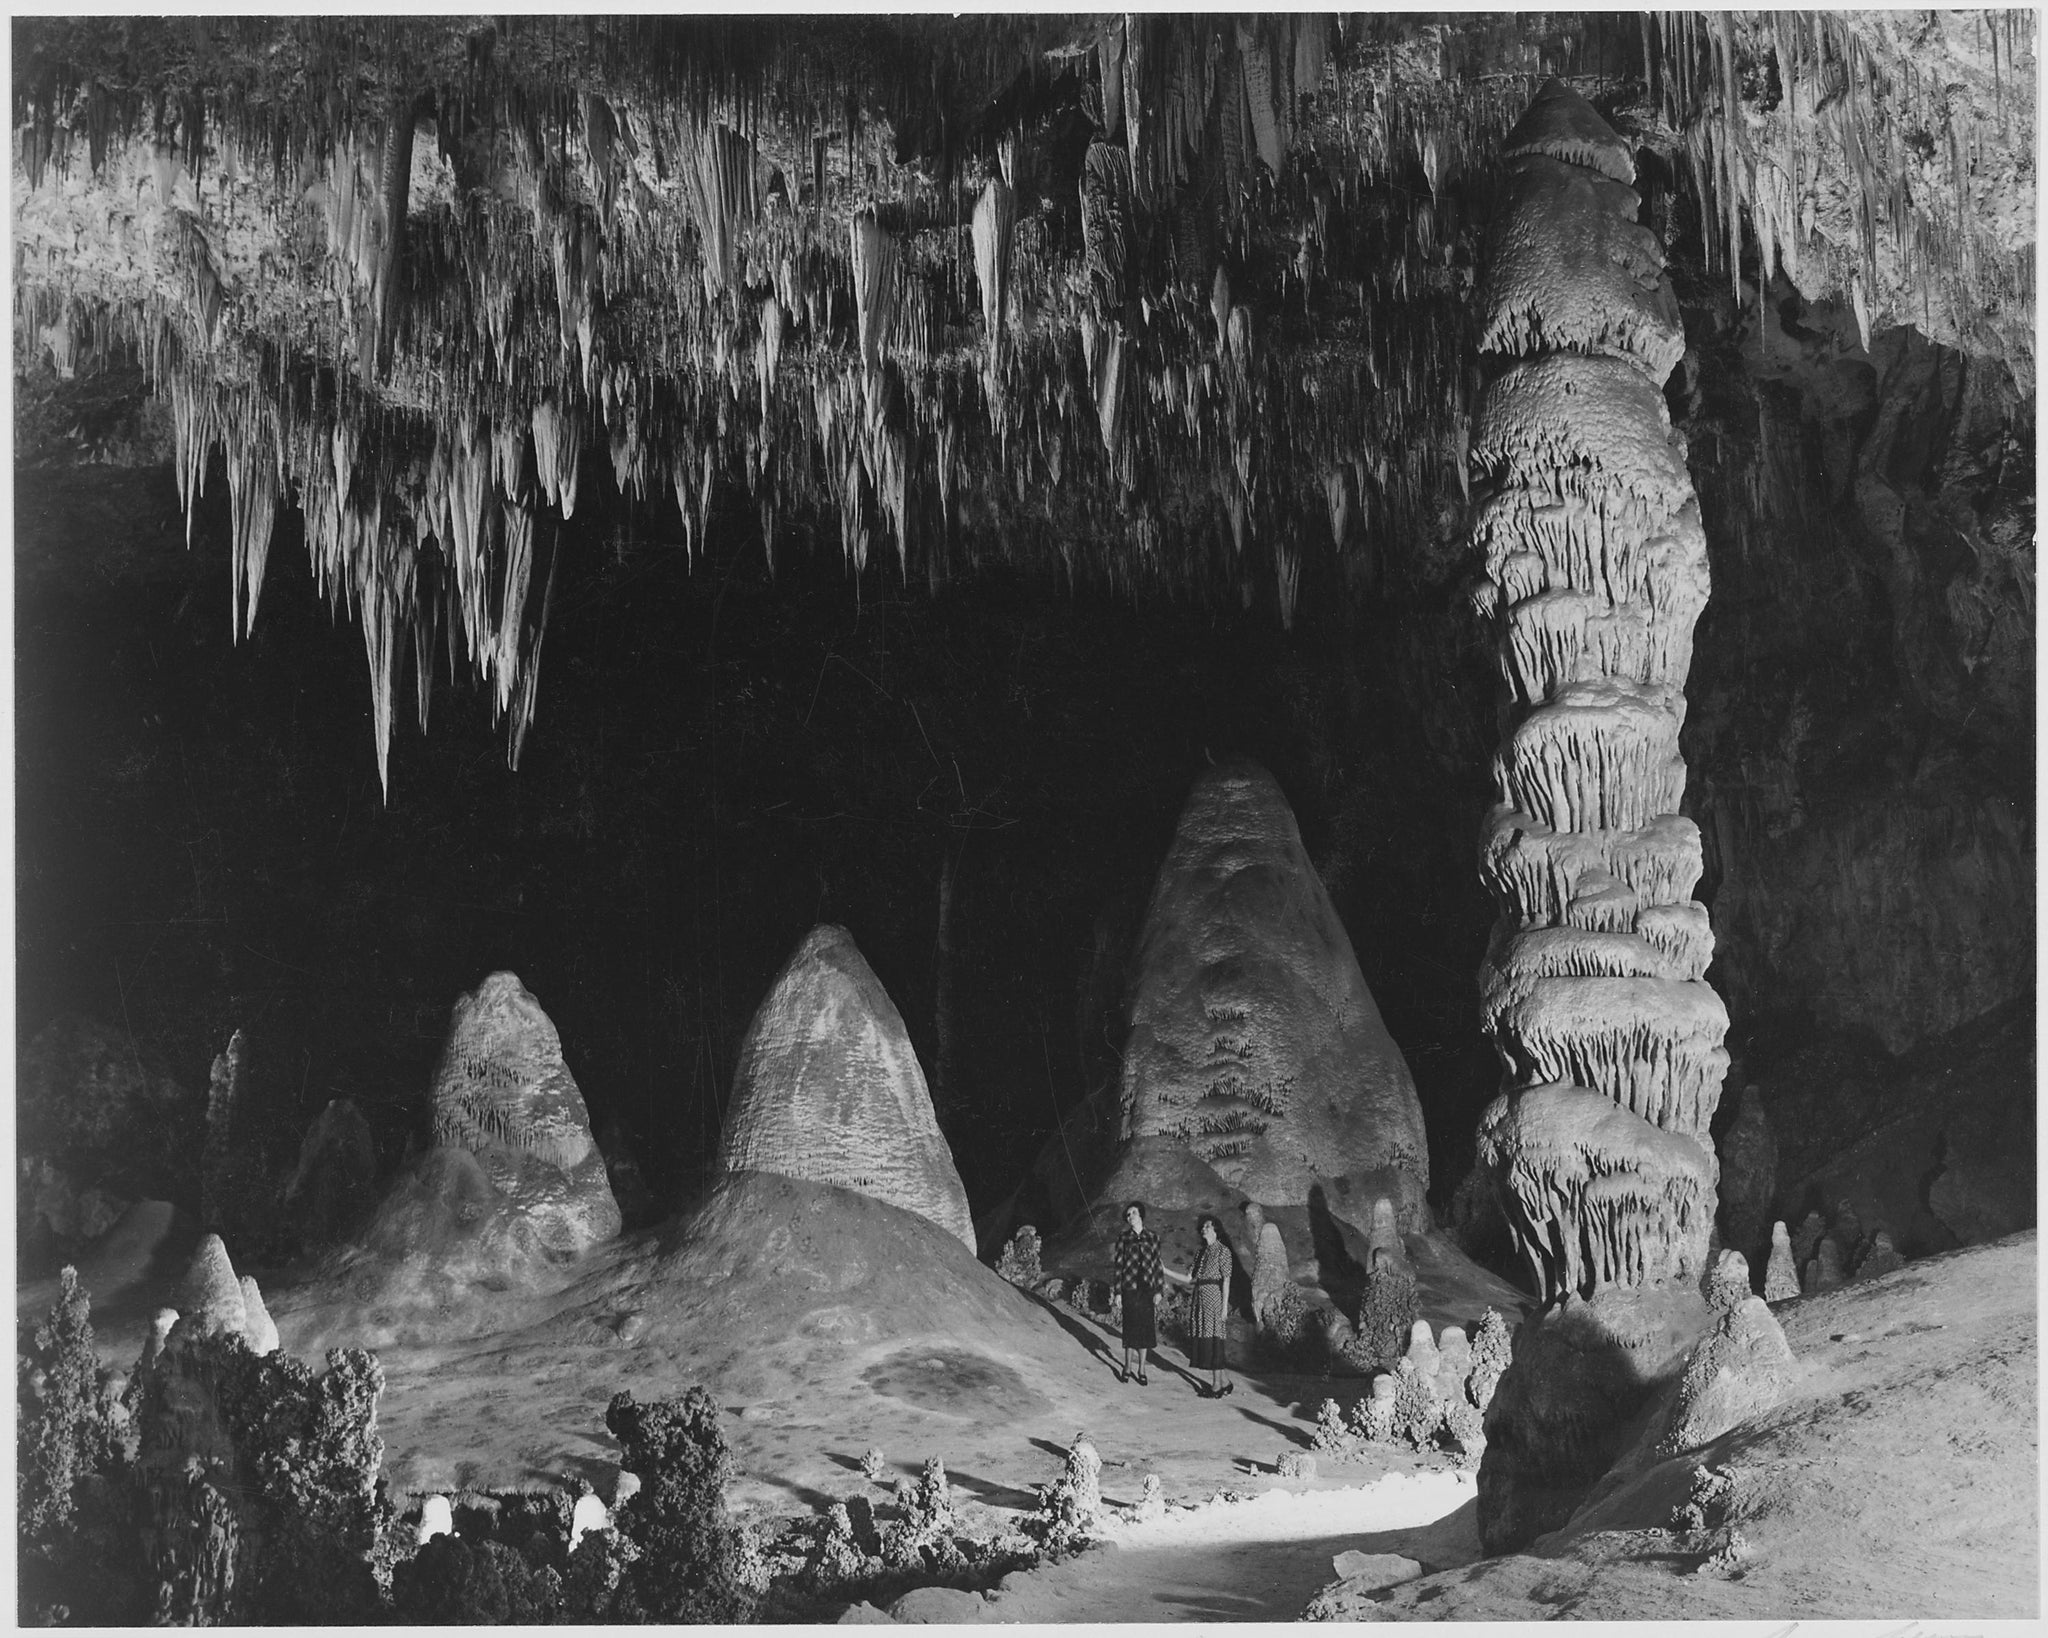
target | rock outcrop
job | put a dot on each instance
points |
(1254, 1042)
(503, 1093)
(829, 1090)
(1593, 570)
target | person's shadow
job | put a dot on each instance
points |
(1342, 1277)
(1092, 1340)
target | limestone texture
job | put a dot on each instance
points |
(1561, 124)
(829, 1090)
(1254, 1041)
(503, 1093)
(1596, 1195)
(1569, 268)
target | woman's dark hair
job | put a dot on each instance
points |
(1211, 1221)
(1137, 1206)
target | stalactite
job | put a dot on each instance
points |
(875, 258)
(995, 226)
(254, 484)
(719, 177)
(384, 236)
(557, 450)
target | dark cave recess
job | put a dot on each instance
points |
(720, 761)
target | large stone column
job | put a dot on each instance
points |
(1593, 570)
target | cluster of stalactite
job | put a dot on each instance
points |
(415, 307)
(1179, 303)
(1906, 109)
(1592, 572)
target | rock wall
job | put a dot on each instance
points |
(829, 1089)
(1254, 1042)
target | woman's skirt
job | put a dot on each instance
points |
(1141, 1318)
(1206, 1353)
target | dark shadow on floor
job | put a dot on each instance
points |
(1293, 1432)
(992, 1493)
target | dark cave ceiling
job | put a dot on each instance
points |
(1169, 303)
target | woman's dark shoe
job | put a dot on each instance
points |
(1143, 1382)
(1225, 1390)
(1122, 1375)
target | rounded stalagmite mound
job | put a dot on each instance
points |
(1254, 1041)
(829, 1090)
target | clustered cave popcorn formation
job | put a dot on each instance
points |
(1593, 571)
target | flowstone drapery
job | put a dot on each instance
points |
(1593, 571)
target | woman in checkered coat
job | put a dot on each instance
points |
(1138, 1282)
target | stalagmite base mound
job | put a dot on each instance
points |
(829, 1090)
(512, 1194)
(797, 1304)
(1254, 1043)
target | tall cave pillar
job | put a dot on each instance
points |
(1593, 570)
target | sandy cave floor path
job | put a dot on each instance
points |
(1260, 1559)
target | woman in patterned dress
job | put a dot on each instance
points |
(1211, 1307)
(1138, 1279)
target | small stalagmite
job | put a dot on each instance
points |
(259, 1330)
(209, 1298)
(1270, 1267)
(503, 1094)
(1882, 1257)
(1254, 1041)
(1824, 1273)
(1781, 1274)
(1739, 1369)
(829, 1089)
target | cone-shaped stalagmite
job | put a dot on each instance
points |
(1593, 571)
(829, 1090)
(503, 1093)
(210, 1296)
(1254, 1041)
